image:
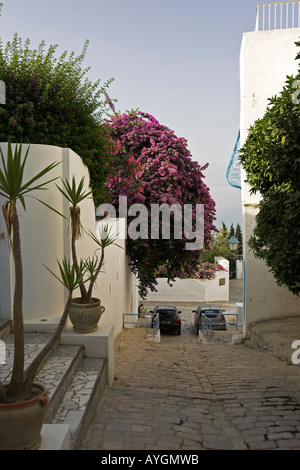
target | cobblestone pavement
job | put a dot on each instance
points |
(183, 394)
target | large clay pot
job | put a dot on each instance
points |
(85, 317)
(21, 423)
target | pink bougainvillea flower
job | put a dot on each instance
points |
(151, 165)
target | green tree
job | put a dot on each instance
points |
(219, 247)
(271, 159)
(50, 100)
(239, 235)
(224, 229)
(231, 231)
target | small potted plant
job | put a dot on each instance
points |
(23, 402)
(86, 310)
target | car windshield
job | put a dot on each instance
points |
(167, 313)
(210, 312)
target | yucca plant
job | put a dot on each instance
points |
(75, 193)
(15, 190)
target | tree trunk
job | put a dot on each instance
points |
(16, 383)
(75, 226)
(3, 393)
(32, 369)
(93, 280)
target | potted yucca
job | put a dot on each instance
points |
(23, 402)
(86, 310)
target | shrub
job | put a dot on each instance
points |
(49, 100)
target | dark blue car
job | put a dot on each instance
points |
(169, 319)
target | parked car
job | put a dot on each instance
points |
(214, 313)
(169, 318)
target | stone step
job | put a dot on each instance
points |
(74, 382)
(57, 373)
(33, 343)
(81, 398)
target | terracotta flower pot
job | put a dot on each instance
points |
(21, 423)
(85, 317)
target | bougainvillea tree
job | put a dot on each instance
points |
(151, 166)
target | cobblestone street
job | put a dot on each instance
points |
(182, 394)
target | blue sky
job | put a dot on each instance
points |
(175, 59)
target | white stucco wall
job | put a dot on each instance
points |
(266, 58)
(117, 286)
(45, 238)
(41, 242)
(194, 290)
(239, 269)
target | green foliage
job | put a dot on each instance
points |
(233, 232)
(68, 277)
(75, 193)
(218, 247)
(271, 158)
(239, 235)
(271, 153)
(12, 185)
(276, 238)
(49, 100)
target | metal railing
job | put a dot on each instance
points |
(236, 323)
(156, 325)
(277, 15)
(134, 322)
(206, 325)
(133, 316)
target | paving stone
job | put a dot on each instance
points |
(280, 435)
(231, 398)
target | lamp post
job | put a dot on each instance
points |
(233, 244)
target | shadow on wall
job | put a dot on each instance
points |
(49, 241)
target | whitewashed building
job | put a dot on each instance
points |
(267, 57)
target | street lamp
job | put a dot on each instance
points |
(233, 244)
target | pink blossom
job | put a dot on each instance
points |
(151, 164)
